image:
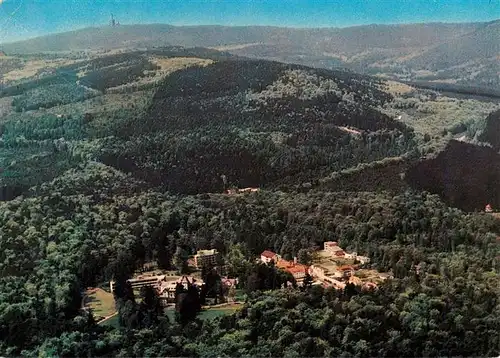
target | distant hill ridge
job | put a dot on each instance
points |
(385, 36)
(457, 53)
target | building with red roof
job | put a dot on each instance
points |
(268, 256)
(369, 286)
(346, 270)
(297, 270)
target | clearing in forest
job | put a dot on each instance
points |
(100, 302)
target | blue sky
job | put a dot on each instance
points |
(28, 18)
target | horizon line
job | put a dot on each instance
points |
(256, 25)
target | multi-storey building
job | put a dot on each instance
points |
(205, 258)
(140, 282)
(333, 248)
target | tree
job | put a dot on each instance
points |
(180, 260)
(123, 290)
(188, 304)
(231, 293)
(236, 262)
(212, 287)
(129, 314)
(150, 306)
(253, 282)
(163, 254)
(304, 256)
(308, 280)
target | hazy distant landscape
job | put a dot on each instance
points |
(209, 191)
(465, 54)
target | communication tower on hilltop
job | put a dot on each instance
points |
(113, 22)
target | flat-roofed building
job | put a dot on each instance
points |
(362, 259)
(333, 248)
(318, 271)
(140, 282)
(205, 258)
(332, 282)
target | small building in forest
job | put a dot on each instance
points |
(235, 191)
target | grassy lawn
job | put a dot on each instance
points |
(208, 313)
(240, 295)
(101, 303)
(170, 313)
(112, 322)
(216, 312)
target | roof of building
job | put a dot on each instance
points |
(291, 267)
(331, 243)
(268, 254)
(346, 267)
(146, 278)
(326, 270)
(230, 281)
(206, 252)
(296, 269)
(167, 286)
(284, 263)
(355, 280)
(335, 248)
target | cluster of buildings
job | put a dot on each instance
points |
(297, 270)
(332, 248)
(241, 191)
(166, 285)
(333, 267)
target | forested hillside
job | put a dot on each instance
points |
(492, 130)
(465, 176)
(123, 159)
(257, 123)
(94, 222)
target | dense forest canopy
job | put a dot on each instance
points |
(121, 162)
